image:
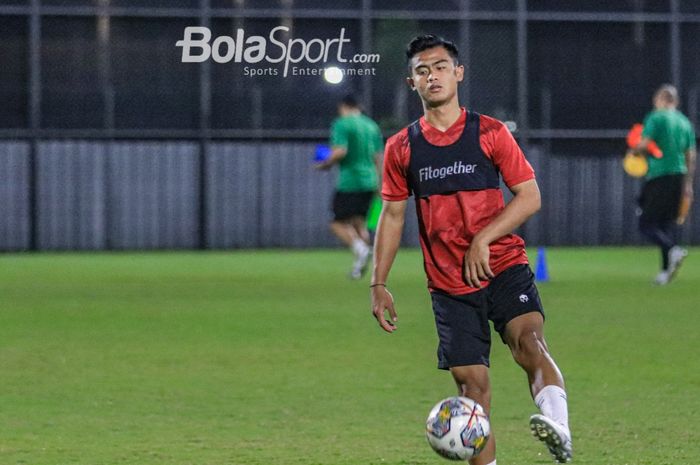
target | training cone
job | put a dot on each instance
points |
(541, 273)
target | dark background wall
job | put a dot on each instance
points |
(107, 140)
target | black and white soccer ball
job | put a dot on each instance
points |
(458, 428)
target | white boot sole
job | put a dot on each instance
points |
(543, 431)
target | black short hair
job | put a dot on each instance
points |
(426, 41)
(350, 101)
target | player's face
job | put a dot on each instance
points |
(435, 76)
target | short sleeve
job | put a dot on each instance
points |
(508, 157)
(339, 134)
(651, 127)
(394, 182)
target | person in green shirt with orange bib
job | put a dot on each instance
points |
(668, 187)
(356, 147)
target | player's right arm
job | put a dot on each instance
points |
(395, 193)
(339, 145)
(386, 244)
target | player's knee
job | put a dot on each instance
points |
(480, 393)
(476, 388)
(528, 348)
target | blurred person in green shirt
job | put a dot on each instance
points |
(356, 147)
(668, 187)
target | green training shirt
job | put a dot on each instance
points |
(674, 135)
(362, 139)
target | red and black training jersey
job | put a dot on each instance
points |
(454, 176)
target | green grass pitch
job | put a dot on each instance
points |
(272, 357)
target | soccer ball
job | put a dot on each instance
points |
(458, 428)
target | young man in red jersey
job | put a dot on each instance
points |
(451, 160)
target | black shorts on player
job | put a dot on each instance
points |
(463, 320)
(660, 199)
(347, 205)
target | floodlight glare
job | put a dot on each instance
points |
(333, 75)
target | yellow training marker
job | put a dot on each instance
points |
(635, 165)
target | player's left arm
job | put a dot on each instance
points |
(525, 203)
(648, 134)
(641, 147)
(644, 148)
(690, 157)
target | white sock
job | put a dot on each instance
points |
(359, 246)
(551, 401)
(492, 463)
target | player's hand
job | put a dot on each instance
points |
(476, 264)
(382, 301)
(323, 166)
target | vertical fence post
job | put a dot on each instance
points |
(106, 85)
(366, 41)
(676, 74)
(522, 72)
(465, 47)
(204, 128)
(34, 119)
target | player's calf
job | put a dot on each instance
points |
(473, 382)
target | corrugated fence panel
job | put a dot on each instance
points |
(308, 199)
(630, 193)
(153, 195)
(14, 196)
(70, 195)
(295, 199)
(270, 195)
(690, 232)
(585, 201)
(590, 201)
(143, 195)
(612, 207)
(557, 217)
(233, 178)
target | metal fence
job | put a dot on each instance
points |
(93, 195)
(110, 68)
(86, 82)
